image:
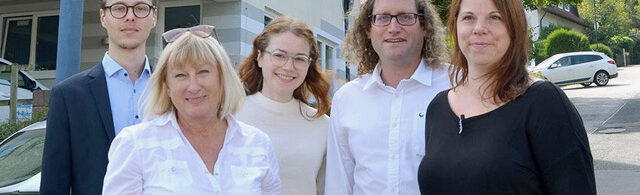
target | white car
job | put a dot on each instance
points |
(21, 159)
(577, 67)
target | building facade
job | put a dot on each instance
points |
(30, 29)
(561, 15)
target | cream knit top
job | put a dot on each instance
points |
(300, 144)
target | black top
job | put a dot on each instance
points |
(534, 144)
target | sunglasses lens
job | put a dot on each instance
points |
(202, 30)
(172, 35)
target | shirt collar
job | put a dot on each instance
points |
(423, 75)
(110, 66)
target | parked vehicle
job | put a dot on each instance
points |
(26, 85)
(21, 160)
(25, 80)
(577, 67)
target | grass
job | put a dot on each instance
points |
(7, 128)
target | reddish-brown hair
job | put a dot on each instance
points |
(508, 78)
(314, 82)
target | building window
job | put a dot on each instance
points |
(267, 19)
(181, 17)
(23, 46)
(326, 54)
(565, 7)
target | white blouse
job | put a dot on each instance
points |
(154, 157)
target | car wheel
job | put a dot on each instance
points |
(601, 78)
(586, 84)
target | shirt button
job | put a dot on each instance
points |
(136, 116)
(125, 74)
(216, 174)
(134, 91)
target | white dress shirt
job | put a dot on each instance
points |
(154, 157)
(376, 135)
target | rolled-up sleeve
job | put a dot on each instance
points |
(124, 171)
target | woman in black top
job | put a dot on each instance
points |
(499, 131)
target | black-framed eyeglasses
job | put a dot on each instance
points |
(280, 58)
(404, 19)
(120, 10)
(203, 31)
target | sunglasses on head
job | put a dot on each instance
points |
(203, 31)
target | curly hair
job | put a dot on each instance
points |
(358, 49)
(314, 82)
(508, 78)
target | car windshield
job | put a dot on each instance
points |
(547, 62)
(21, 157)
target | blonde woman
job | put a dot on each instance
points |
(191, 143)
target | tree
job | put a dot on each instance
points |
(442, 6)
(534, 4)
(612, 16)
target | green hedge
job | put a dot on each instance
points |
(7, 128)
(538, 51)
(563, 41)
(599, 47)
(619, 42)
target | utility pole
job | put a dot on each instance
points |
(595, 22)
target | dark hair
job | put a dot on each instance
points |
(103, 3)
(314, 82)
(508, 78)
(358, 49)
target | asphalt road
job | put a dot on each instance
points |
(611, 115)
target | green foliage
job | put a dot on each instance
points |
(612, 16)
(548, 29)
(533, 4)
(563, 41)
(538, 51)
(442, 6)
(618, 42)
(7, 128)
(635, 53)
(599, 47)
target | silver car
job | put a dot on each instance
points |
(21, 159)
(577, 67)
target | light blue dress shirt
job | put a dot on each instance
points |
(124, 95)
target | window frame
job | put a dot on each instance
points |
(162, 7)
(322, 53)
(34, 30)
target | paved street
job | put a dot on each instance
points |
(612, 118)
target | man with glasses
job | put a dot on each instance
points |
(87, 110)
(376, 138)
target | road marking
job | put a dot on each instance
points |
(614, 113)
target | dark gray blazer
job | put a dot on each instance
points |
(79, 133)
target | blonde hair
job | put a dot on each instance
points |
(357, 47)
(189, 48)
